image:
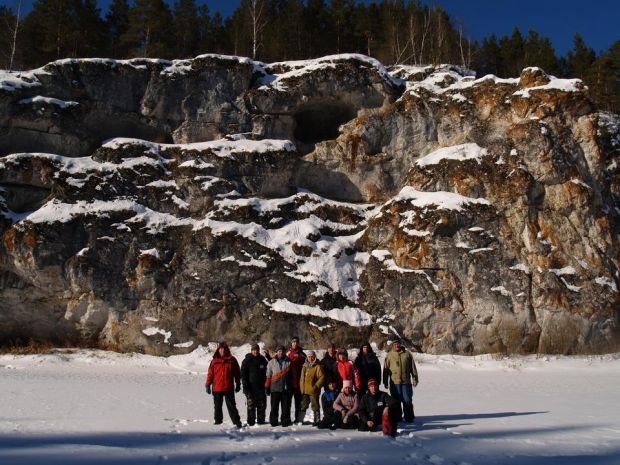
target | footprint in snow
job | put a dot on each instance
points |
(269, 459)
(435, 459)
(411, 456)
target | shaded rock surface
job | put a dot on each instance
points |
(326, 198)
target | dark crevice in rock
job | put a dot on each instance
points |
(319, 121)
(24, 198)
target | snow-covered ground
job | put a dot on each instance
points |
(93, 407)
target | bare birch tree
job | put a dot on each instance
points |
(14, 38)
(259, 21)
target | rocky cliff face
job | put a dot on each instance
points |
(327, 198)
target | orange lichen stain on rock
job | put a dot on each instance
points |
(555, 299)
(30, 239)
(9, 240)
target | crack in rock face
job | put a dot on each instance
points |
(164, 205)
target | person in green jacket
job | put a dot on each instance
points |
(401, 374)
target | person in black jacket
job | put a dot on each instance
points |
(329, 365)
(253, 375)
(331, 419)
(368, 367)
(373, 405)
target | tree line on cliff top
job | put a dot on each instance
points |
(393, 31)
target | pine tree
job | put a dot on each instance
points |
(186, 28)
(580, 58)
(148, 34)
(117, 24)
(539, 52)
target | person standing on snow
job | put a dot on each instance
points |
(347, 405)
(311, 382)
(253, 377)
(297, 357)
(345, 369)
(223, 380)
(331, 418)
(368, 366)
(401, 373)
(279, 385)
(374, 406)
(329, 364)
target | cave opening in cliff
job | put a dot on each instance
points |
(319, 121)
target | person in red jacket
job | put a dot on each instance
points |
(345, 369)
(297, 357)
(223, 380)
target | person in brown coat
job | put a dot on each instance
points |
(310, 383)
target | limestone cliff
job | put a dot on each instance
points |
(152, 205)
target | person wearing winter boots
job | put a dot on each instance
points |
(253, 377)
(345, 369)
(297, 357)
(311, 382)
(331, 419)
(402, 375)
(368, 366)
(376, 408)
(223, 380)
(279, 385)
(329, 364)
(347, 405)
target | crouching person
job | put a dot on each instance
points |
(224, 379)
(331, 419)
(372, 408)
(311, 382)
(347, 406)
(253, 377)
(279, 385)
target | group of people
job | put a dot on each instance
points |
(347, 393)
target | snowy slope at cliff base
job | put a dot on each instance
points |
(105, 408)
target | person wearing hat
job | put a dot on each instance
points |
(279, 385)
(346, 405)
(400, 372)
(253, 377)
(329, 364)
(345, 369)
(368, 366)
(223, 380)
(297, 357)
(311, 382)
(331, 419)
(374, 406)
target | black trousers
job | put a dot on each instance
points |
(257, 406)
(280, 399)
(377, 419)
(330, 421)
(231, 406)
(297, 396)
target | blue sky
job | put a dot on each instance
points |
(596, 20)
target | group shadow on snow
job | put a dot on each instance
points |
(302, 445)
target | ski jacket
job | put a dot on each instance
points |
(346, 370)
(368, 367)
(224, 372)
(327, 402)
(399, 367)
(371, 406)
(253, 373)
(329, 368)
(311, 380)
(297, 358)
(347, 402)
(278, 377)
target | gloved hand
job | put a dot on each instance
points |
(268, 391)
(208, 388)
(343, 412)
(415, 383)
(238, 388)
